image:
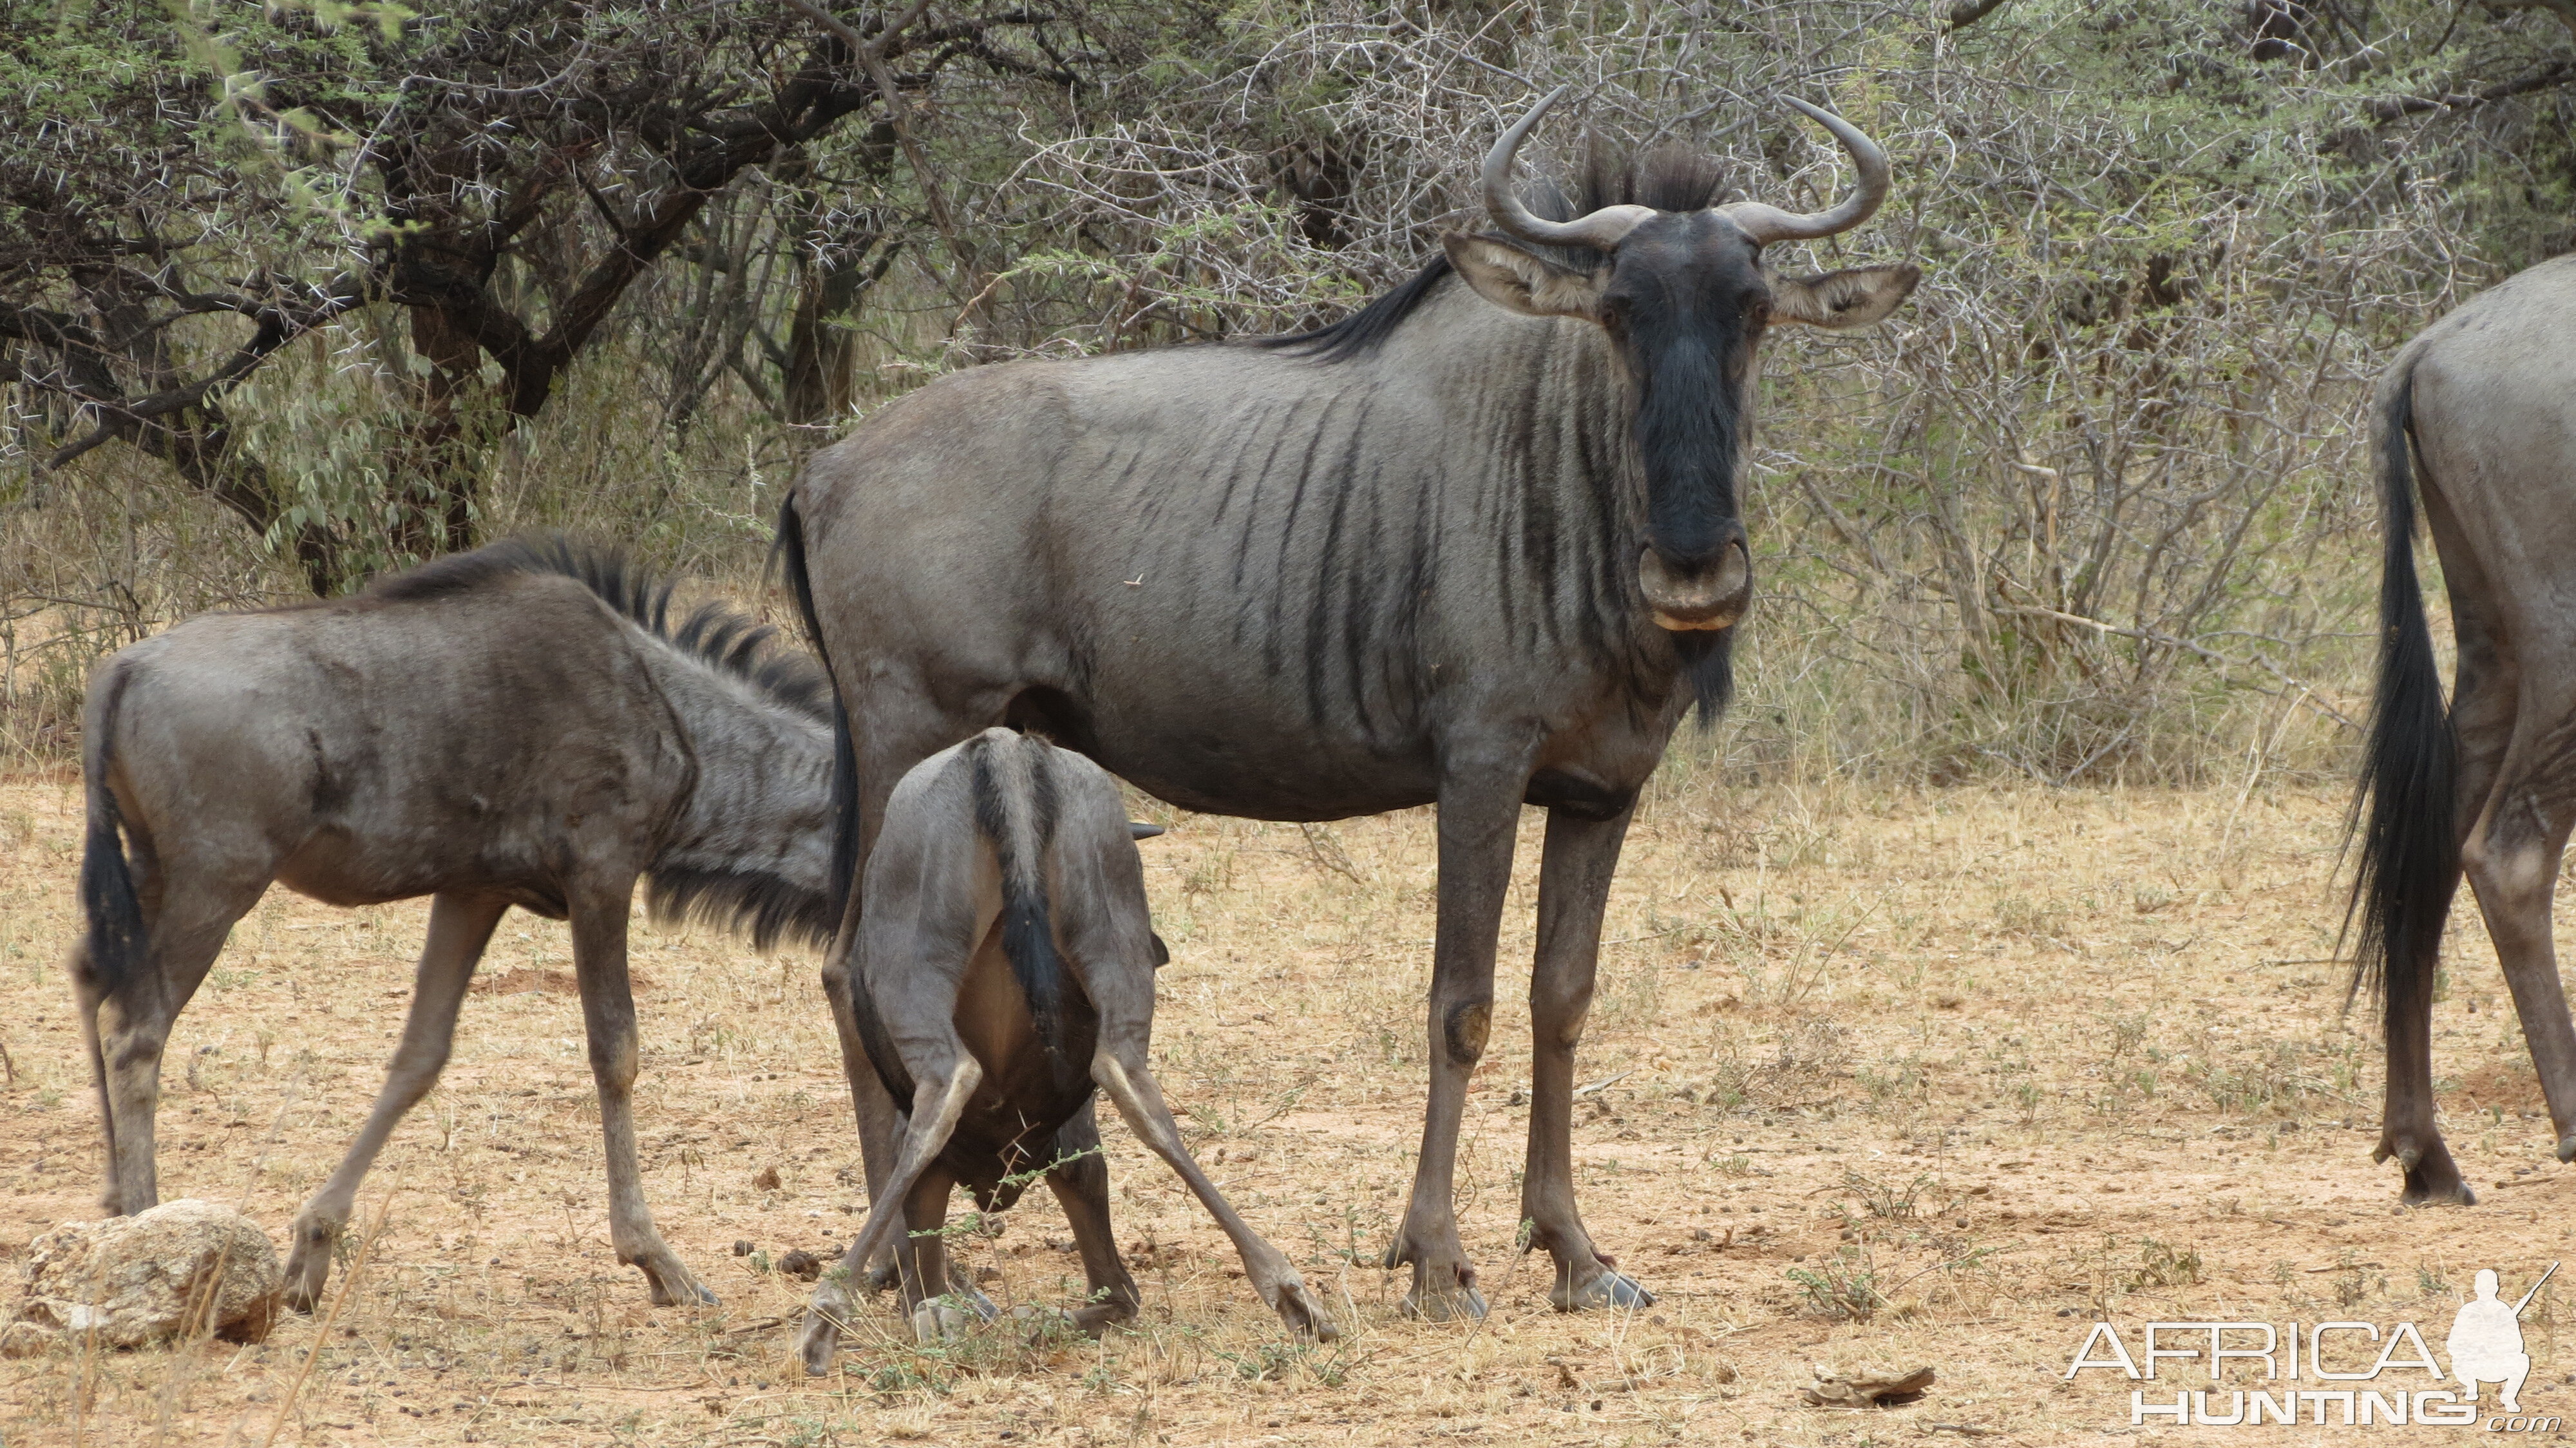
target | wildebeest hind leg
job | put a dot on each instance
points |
(608, 1011)
(1119, 1068)
(1080, 1180)
(2512, 856)
(131, 1024)
(894, 728)
(936, 1316)
(941, 1091)
(459, 928)
(1573, 890)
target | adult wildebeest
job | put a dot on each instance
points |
(2488, 397)
(1006, 966)
(523, 725)
(1474, 545)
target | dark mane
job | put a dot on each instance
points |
(713, 632)
(775, 908)
(1669, 178)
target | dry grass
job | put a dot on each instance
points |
(1924, 1077)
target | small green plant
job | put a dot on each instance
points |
(1885, 1199)
(2160, 1265)
(1843, 1287)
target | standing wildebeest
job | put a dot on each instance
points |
(1476, 544)
(1006, 965)
(2488, 397)
(524, 725)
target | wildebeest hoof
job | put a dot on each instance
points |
(2432, 1178)
(1607, 1289)
(946, 1319)
(818, 1342)
(1444, 1304)
(673, 1285)
(1037, 1326)
(2567, 1147)
(1304, 1312)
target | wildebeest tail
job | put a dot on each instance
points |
(789, 554)
(2406, 806)
(107, 895)
(1015, 809)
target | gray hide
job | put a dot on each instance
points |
(2488, 397)
(1477, 545)
(517, 726)
(1006, 966)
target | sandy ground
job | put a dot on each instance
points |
(1910, 1079)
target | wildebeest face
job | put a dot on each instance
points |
(1684, 300)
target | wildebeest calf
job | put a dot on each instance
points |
(1005, 965)
(523, 725)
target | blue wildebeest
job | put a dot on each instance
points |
(1477, 544)
(2478, 416)
(522, 725)
(1006, 967)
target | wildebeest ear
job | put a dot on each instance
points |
(1162, 952)
(1837, 300)
(1509, 277)
(1139, 830)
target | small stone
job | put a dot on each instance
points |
(766, 1180)
(741, 1248)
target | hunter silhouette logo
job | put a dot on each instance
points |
(2486, 1340)
(2485, 1346)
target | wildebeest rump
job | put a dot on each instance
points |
(1475, 545)
(523, 725)
(1004, 966)
(2487, 397)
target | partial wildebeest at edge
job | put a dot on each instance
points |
(523, 725)
(1477, 544)
(2487, 397)
(1004, 967)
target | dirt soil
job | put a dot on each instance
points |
(1904, 1079)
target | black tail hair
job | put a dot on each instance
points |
(1028, 934)
(106, 879)
(788, 553)
(2410, 841)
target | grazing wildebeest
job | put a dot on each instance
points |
(1006, 966)
(1476, 544)
(2487, 396)
(522, 725)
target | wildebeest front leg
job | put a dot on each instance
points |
(941, 1091)
(608, 1011)
(1080, 1180)
(1573, 890)
(1478, 815)
(459, 928)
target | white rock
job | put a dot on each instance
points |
(183, 1267)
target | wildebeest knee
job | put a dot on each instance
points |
(1566, 1009)
(1465, 1029)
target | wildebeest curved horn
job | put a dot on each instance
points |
(1601, 230)
(1770, 223)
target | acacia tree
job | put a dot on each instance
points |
(185, 195)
